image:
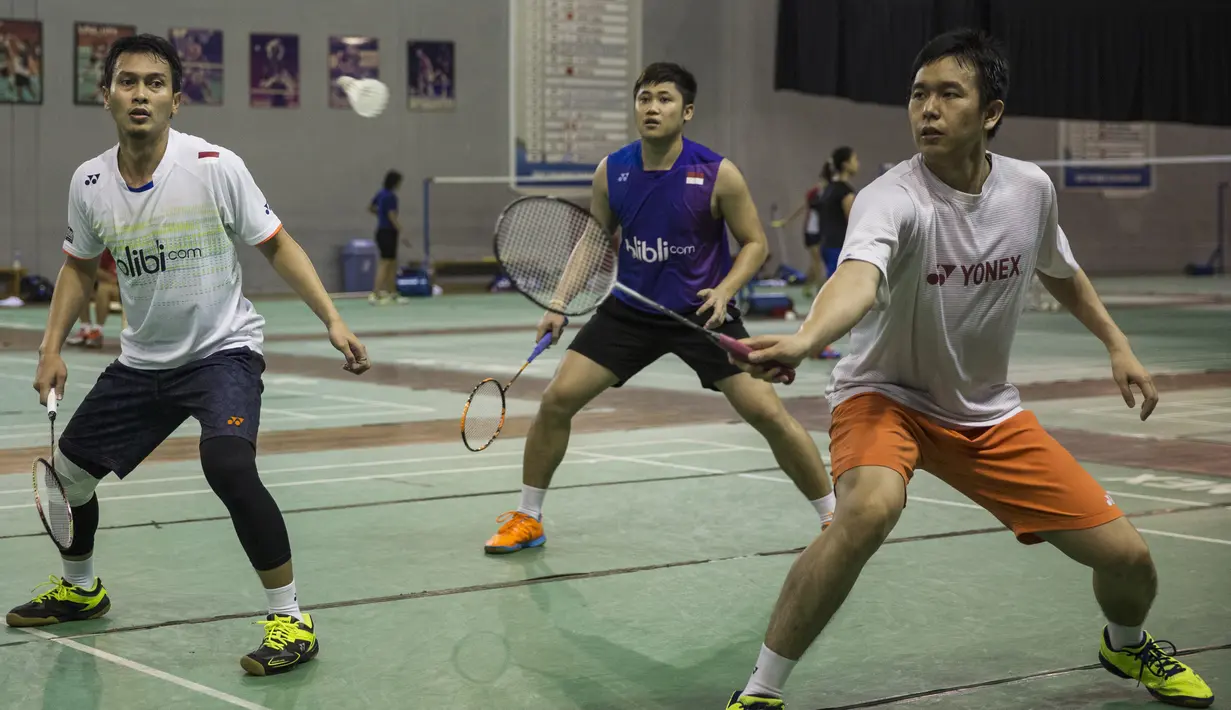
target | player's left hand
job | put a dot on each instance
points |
(1127, 370)
(349, 345)
(716, 299)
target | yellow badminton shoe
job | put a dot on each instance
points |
(62, 603)
(518, 532)
(751, 702)
(1167, 679)
(288, 643)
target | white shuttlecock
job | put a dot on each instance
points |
(368, 97)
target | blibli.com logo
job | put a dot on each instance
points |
(659, 251)
(135, 263)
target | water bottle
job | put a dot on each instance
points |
(17, 260)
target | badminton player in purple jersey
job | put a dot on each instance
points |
(673, 201)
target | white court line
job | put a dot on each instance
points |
(25, 490)
(909, 498)
(153, 672)
(1140, 496)
(597, 458)
(1182, 536)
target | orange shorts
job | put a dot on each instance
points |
(1015, 470)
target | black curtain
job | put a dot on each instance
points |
(1108, 60)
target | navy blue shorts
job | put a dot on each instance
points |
(130, 412)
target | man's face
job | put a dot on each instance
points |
(140, 97)
(945, 116)
(661, 112)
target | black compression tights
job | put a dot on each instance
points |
(230, 468)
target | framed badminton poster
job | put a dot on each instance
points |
(21, 62)
(273, 73)
(358, 57)
(201, 53)
(430, 76)
(91, 40)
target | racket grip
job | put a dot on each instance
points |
(786, 374)
(544, 343)
(51, 403)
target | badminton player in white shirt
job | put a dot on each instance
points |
(931, 281)
(174, 210)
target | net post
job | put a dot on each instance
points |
(1221, 227)
(427, 225)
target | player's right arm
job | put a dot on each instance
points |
(585, 256)
(74, 285)
(879, 219)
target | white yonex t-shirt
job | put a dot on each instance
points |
(955, 271)
(174, 246)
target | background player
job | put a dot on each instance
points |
(193, 347)
(106, 291)
(384, 205)
(672, 199)
(944, 404)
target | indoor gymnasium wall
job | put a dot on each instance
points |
(319, 166)
(781, 139)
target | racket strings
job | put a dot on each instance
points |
(484, 415)
(55, 507)
(556, 254)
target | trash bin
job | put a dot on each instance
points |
(359, 266)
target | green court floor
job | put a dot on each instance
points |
(666, 546)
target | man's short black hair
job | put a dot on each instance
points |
(668, 72)
(149, 44)
(392, 179)
(972, 48)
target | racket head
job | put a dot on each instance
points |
(52, 504)
(483, 415)
(786, 374)
(546, 245)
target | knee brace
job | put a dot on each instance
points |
(79, 484)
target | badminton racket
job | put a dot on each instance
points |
(483, 415)
(368, 97)
(560, 257)
(49, 496)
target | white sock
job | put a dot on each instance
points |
(80, 572)
(285, 601)
(824, 507)
(1124, 636)
(532, 501)
(770, 675)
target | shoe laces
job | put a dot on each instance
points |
(514, 522)
(278, 631)
(1161, 663)
(59, 589)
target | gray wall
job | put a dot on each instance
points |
(320, 166)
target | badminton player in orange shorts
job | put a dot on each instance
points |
(931, 281)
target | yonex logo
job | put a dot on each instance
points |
(660, 251)
(235, 421)
(266, 208)
(977, 274)
(92, 179)
(942, 273)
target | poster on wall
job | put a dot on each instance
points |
(21, 62)
(430, 75)
(273, 79)
(351, 56)
(201, 53)
(90, 45)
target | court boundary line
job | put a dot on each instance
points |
(147, 670)
(953, 690)
(576, 576)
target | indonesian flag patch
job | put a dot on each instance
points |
(695, 178)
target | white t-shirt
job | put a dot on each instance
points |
(174, 246)
(955, 271)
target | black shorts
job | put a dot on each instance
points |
(811, 240)
(626, 340)
(130, 412)
(387, 242)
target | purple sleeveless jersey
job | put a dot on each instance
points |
(671, 246)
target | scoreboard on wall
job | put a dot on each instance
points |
(572, 67)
